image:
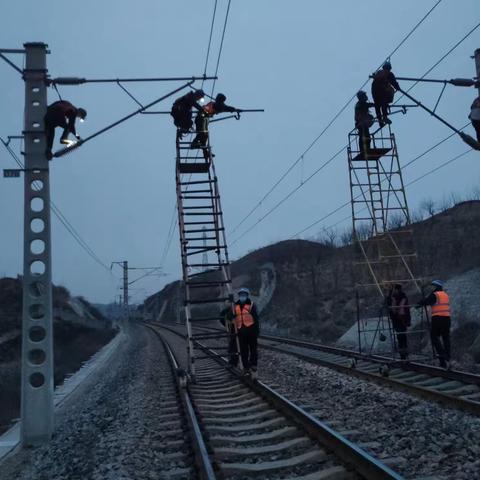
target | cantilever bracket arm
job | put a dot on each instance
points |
(236, 115)
(457, 82)
(465, 137)
(81, 81)
(118, 122)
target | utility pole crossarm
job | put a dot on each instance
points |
(457, 82)
(81, 81)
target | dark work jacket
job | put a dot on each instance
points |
(186, 103)
(59, 112)
(363, 119)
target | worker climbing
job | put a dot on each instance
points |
(363, 121)
(384, 86)
(201, 121)
(248, 327)
(439, 302)
(182, 111)
(61, 114)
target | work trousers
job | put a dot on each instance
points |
(247, 337)
(232, 349)
(401, 333)
(364, 139)
(440, 335)
(51, 121)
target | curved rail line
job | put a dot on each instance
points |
(453, 388)
(253, 431)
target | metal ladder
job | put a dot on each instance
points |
(202, 230)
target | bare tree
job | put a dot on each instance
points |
(330, 236)
(427, 205)
(397, 220)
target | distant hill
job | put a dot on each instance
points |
(306, 288)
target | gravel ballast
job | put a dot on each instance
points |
(422, 438)
(127, 424)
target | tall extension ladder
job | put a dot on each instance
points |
(201, 228)
(384, 240)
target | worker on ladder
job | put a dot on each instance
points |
(248, 328)
(202, 120)
(439, 303)
(363, 121)
(475, 116)
(61, 114)
(182, 111)
(384, 85)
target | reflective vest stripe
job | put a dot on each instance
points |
(243, 317)
(442, 307)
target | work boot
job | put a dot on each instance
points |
(49, 154)
(387, 120)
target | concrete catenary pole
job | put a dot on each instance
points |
(37, 326)
(125, 291)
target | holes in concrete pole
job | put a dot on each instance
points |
(37, 267)
(36, 140)
(37, 334)
(37, 225)
(36, 185)
(36, 311)
(37, 247)
(36, 289)
(37, 379)
(35, 104)
(36, 204)
(35, 89)
(37, 356)
(35, 125)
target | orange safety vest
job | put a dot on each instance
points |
(442, 307)
(243, 317)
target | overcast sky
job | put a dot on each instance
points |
(301, 61)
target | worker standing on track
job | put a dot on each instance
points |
(399, 311)
(61, 114)
(202, 120)
(475, 116)
(182, 111)
(226, 319)
(248, 328)
(439, 302)
(363, 121)
(384, 86)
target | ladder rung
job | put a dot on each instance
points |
(208, 300)
(198, 182)
(197, 239)
(197, 207)
(208, 283)
(200, 197)
(199, 230)
(194, 265)
(184, 192)
(203, 250)
(205, 319)
(206, 222)
(199, 214)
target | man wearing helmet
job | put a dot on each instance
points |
(248, 328)
(61, 114)
(182, 110)
(439, 303)
(202, 119)
(384, 86)
(363, 121)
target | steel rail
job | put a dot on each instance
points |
(348, 452)
(202, 458)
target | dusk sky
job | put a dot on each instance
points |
(300, 61)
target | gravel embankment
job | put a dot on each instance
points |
(424, 438)
(127, 426)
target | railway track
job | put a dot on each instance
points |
(250, 430)
(453, 388)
